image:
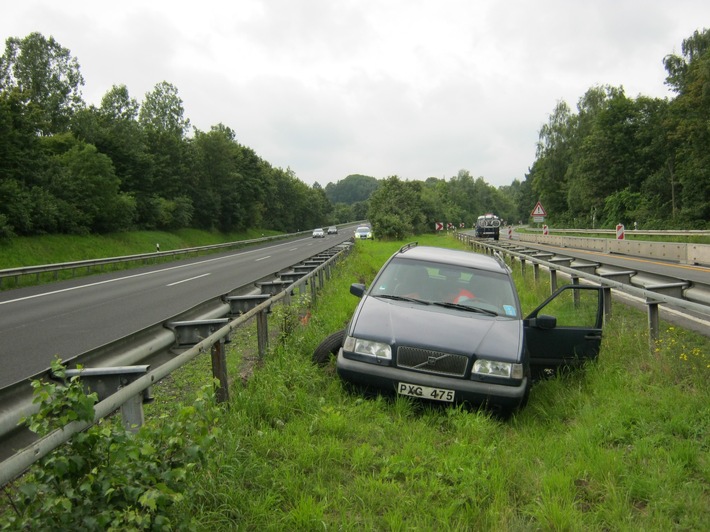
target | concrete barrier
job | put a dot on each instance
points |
(671, 251)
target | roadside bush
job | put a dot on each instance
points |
(108, 478)
(6, 231)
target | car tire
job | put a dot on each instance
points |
(328, 347)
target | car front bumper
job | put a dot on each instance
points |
(386, 379)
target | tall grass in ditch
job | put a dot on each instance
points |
(622, 444)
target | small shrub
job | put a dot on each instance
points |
(108, 478)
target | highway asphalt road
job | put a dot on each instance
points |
(68, 318)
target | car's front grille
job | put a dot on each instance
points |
(429, 361)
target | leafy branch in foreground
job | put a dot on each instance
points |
(107, 477)
(60, 402)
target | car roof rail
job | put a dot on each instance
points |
(408, 246)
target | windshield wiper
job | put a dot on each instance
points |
(403, 298)
(459, 306)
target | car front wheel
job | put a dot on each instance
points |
(328, 347)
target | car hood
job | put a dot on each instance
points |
(437, 328)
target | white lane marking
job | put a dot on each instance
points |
(190, 279)
(135, 275)
(262, 258)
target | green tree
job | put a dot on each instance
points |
(689, 77)
(395, 209)
(21, 165)
(46, 76)
(553, 158)
(87, 188)
(114, 129)
(353, 188)
(162, 118)
(606, 161)
(435, 204)
(217, 190)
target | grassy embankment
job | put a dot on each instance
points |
(54, 249)
(621, 445)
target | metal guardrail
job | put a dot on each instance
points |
(652, 299)
(172, 335)
(92, 263)
(676, 251)
(631, 232)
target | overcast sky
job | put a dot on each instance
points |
(329, 88)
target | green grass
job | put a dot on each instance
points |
(52, 249)
(621, 445)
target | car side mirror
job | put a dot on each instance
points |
(543, 321)
(357, 289)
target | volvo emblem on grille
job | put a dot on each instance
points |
(431, 361)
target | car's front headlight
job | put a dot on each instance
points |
(377, 350)
(494, 368)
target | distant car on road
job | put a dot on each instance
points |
(446, 325)
(318, 233)
(332, 230)
(363, 233)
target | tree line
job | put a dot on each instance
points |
(625, 160)
(69, 167)
(640, 160)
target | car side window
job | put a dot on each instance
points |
(574, 308)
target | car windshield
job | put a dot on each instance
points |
(455, 287)
(363, 230)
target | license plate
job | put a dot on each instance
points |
(425, 392)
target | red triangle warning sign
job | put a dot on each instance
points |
(538, 210)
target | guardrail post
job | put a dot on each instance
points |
(522, 266)
(653, 323)
(606, 293)
(106, 381)
(575, 282)
(219, 371)
(262, 332)
(536, 271)
(132, 413)
(314, 292)
(553, 280)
